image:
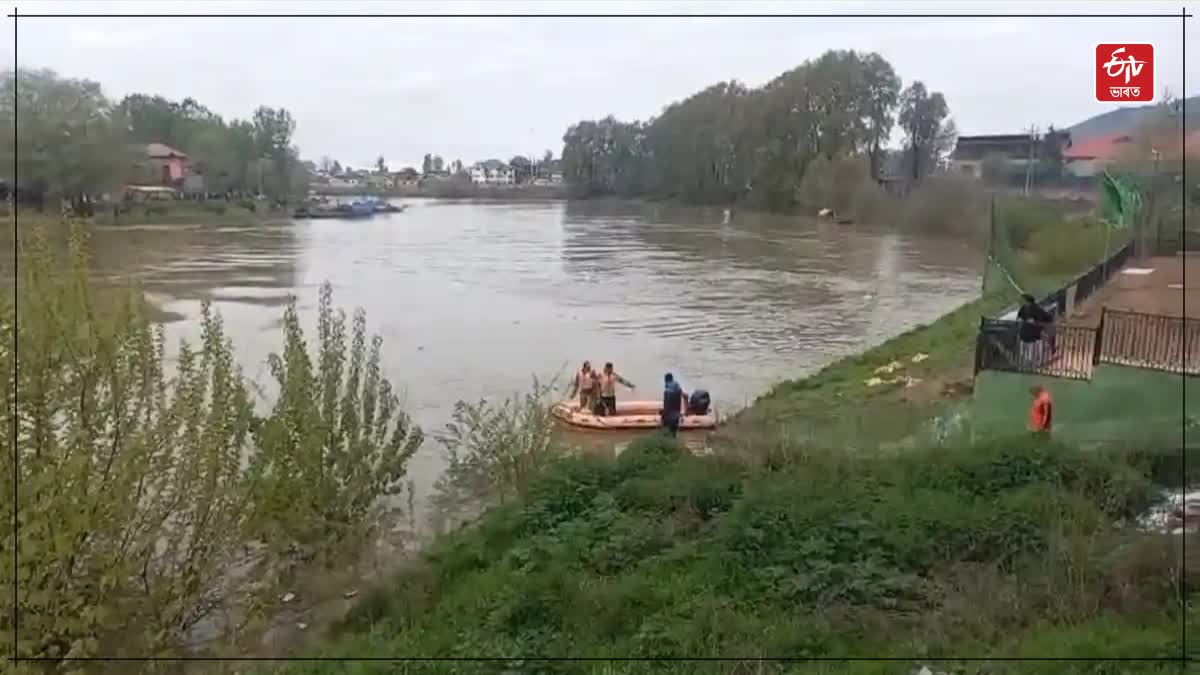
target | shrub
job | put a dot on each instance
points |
(945, 204)
(336, 440)
(494, 449)
(141, 489)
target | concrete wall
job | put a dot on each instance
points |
(1117, 404)
(1085, 168)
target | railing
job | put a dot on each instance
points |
(1064, 351)
(1169, 343)
(1166, 343)
(1095, 278)
(1062, 301)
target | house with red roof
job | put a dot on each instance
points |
(169, 165)
(1092, 156)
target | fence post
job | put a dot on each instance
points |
(979, 345)
(1099, 338)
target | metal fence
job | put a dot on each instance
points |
(1155, 342)
(1169, 343)
(1065, 351)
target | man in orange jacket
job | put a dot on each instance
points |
(1041, 413)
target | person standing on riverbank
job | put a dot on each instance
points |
(674, 404)
(609, 380)
(1041, 412)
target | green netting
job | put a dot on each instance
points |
(1004, 265)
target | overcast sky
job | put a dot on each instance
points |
(474, 88)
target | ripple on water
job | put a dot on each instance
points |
(472, 299)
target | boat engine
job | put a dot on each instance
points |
(699, 402)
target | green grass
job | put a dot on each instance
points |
(1118, 404)
(783, 543)
(1046, 244)
(215, 212)
(835, 407)
(778, 545)
(985, 550)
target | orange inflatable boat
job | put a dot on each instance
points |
(630, 415)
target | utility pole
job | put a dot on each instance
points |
(1029, 164)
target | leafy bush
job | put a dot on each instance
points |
(494, 449)
(140, 489)
(945, 204)
(1019, 218)
(337, 439)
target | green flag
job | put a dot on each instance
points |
(1119, 200)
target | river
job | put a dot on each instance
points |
(473, 299)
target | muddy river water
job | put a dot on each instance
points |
(473, 299)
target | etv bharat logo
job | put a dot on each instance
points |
(1124, 72)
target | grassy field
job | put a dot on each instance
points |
(784, 544)
(1118, 404)
(1001, 549)
(181, 212)
(836, 407)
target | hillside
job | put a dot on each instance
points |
(1125, 118)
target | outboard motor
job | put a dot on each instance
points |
(699, 402)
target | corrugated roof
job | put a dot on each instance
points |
(158, 150)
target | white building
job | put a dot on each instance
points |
(492, 172)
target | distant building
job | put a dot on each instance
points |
(345, 181)
(163, 164)
(193, 184)
(406, 177)
(380, 181)
(1093, 156)
(1017, 149)
(492, 172)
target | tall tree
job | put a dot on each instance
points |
(380, 165)
(73, 141)
(923, 118)
(730, 142)
(522, 168)
(882, 92)
(273, 129)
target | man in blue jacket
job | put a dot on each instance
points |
(674, 404)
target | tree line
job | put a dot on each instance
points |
(732, 143)
(74, 141)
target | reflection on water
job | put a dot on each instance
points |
(473, 299)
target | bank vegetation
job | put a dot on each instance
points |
(151, 496)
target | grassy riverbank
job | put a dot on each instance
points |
(214, 212)
(778, 546)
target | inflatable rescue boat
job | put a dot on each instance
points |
(630, 415)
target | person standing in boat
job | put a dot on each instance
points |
(674, 404)
(584, 384)
(609, 380)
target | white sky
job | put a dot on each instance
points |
(474, 88)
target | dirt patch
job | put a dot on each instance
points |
(933, 387)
